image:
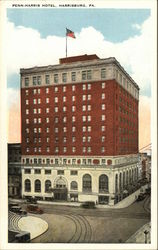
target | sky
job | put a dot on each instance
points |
(37, 37)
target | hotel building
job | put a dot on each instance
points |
(79, 130)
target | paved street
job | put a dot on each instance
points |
(75, 224)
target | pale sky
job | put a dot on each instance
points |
(37, 37)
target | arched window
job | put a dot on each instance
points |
(74, 185)
(37, 186)
(87, 183)
(116, 183)
(120, 181)
(123, 179)
(27, 185)
(47, 185)
(103, 183)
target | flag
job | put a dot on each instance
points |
(70, 33)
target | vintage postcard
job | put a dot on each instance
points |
(78, 125)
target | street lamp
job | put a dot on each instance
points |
(145, 233)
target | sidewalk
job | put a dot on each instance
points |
(139, 236)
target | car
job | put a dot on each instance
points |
(88, 204)
(34, 209)
(31, 200)
(141, 197)
(22, 237)
(15, 209)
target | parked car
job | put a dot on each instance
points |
(88, 204)
(34, 209)
(22, 237)
(15, 209)
(141, 197)
(31, 200)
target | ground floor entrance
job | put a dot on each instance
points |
(60, 194)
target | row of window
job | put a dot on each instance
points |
(86, 75)
(64, 139)
(84, 149)
(64, 109)
(49, 171)
(64, 161)
(86, 184)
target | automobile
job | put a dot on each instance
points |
(31, 200)
(15, 209)
(34, 209)
(148, 190)
(88, 204)
(141, 197)
(22, 237)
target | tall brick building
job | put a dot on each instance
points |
(79, 130)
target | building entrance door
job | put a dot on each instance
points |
(60, 190)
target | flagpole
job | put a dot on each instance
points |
(66, 45)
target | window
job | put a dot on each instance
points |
(39, 139)
(89, 107)
(27, 111)
(103, 96)
(64, 139)
(39, 120)
(84, 129)
(27, 185)
(73, 129)
(84, 149)
(84, 118)
(48, 149)
(27, 102)
(89, 139)
(56, 99)
(64, 129)
(64, 119)
(73, 139)
(84, 86)
(73, 149)
(39, 91)
(39, 149)
(87, 182)
(39, 101)
(47, 139)
(73, 76)
(89, 97)
(64, 149)
(37, 186)
(56, 149)
(34, 79)
(120, 78)
(74, 185)
(34, 101)
(89, 128)
(47, 110)
(89, 85)
(103, 183)
(73, 98)
(47, 100)
(56, 130)
(56, 89)
(84, 139)
(73, 108)
(64, 98)
(64, 109)
(37, 171)
(89, 118)
(27, 140)
(56, 109)
(26, 81)
(27, 121)
(35, 130)
(103, 85)
(47, 90)
(39, 111)
(89, 149)
(34, 91)
(84, 108)
(56, 78)
(47, 184)
(64, 89)
(47, 130)
(73, 87)
(74, 172)
(103, 73)
(56, 120)
(102, 149)
(47, 79)
(102, 128)
(39, 80)
(60, 172)
(47, 171)
(84, 98)
(39, 130)
(103, 117)
(73, 118)
(83, 75)
(103, 106)
(27, 149)
(64, 77)
(27, 171)
(47, 119)
(26, 92)
(103, 138)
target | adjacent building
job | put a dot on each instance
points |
(14, 170)
(79, 130)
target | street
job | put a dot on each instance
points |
(77, 225)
